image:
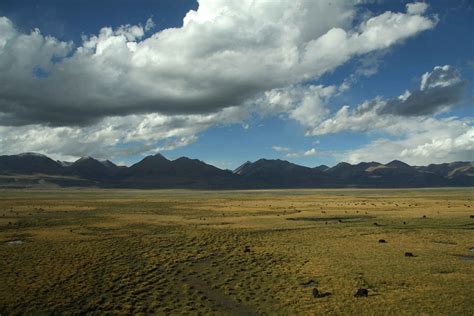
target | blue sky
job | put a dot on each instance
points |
(124, 113)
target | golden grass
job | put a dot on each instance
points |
(182, 252)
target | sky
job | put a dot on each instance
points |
(311, 82)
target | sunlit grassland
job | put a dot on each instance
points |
(181, 252)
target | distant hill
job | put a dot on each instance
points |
(321, 168)
(279, 173)
(156, 171)
(92, 169)
(29, 163)
(458, 172)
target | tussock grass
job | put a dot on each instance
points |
(184, 252)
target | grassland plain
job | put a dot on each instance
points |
(183, 252)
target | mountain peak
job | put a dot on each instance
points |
(321, 168)
(151, 159)
(242, 167)
(156, 157)
(28, 163)
(152, 165)
(397, 164)
(85, 158)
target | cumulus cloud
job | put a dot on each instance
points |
(413, 131)
(127, 91)
(427, 140)
(417, 7)
(303, 103)
(115, 136)
(439, 90)
(225, 53)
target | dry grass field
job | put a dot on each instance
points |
(237, 252)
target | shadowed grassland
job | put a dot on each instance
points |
(183, 252)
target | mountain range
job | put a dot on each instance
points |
(156, 171)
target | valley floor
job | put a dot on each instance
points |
(237, 252)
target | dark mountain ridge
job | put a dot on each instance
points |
(279, 173)
(29, 163)
(156, 171)
(92, 169)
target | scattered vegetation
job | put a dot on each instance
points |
(250, 252)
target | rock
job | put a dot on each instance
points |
(382, 241)
(362, 293)
(409, 254)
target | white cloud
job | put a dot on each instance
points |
(417, 8)
(281, 149)
(363, 119)
(290, 153)
(115, 136)
(439, 90)
(303, 103)
(441, 76)
(149, 25)
(176, 143)
(412, 132)
(127, 91)
(426, 141)
(225, 53)
(311, 152)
